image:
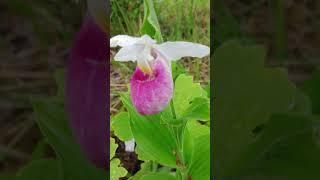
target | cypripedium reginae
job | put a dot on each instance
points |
(151, 83)
(87, 89)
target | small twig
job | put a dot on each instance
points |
(118, 85)
(115, 104)
(22, 86)
(21, 133)
(5, 74)
(113, 110)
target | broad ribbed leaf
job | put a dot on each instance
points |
(199, 167)
(113, 147)
(158, 176)
(150, 24)
(184, 93)
(312, 89)
(199, 109)
(146, 168)
(286, 149)
(54, 125)
(116, 171)
(8, 176)
(246, 95)
(152, 137)
(41, 169)
(120, 124)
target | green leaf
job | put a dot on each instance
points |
(286, 149)
(193, 131)
(279, 28)
(146, 168)
(187, 145)
(184, 93)
(120, 124)
(142, 155)
(52, 122)
(301, 103)
(171, 121)
(41, 169)
(152, 137)
(246, 95)
(227, 28)
(21, 8)
(167, 118)
(150, 24)
(177, 69)
(158, 176)
(165, 169)
(199, 109)
(208, 89)
(196, 129)
(312, 88)
(113, 147)
(199, 167)
(7, 176)
(39, 150)
(59, 77)
(116, 171)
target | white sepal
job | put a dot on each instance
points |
(140, 49)
(146, 39)
(129, 53)
(123, 40)
(176, 50)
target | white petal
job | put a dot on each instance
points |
(129, 53)
(123, 40)
(129, 145)
(146, 39)
(145, 58)
(177, 50)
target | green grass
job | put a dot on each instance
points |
(179, 19)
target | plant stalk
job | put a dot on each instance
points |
(154, 166)
(178, 132)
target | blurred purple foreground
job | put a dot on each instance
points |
(87, 92)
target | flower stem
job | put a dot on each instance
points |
(178, 132)
(197, 69)
(173, 110)
(154, 166)
(182, 173)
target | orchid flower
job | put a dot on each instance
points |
(151, 82)
(87, 89)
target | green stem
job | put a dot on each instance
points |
(279, 27)
(154, 166)
(197, 69)
(175, 129)
(173, 110)
(178, 132)
(182, 173)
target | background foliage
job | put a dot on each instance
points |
(266, 126)
(35, 37)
